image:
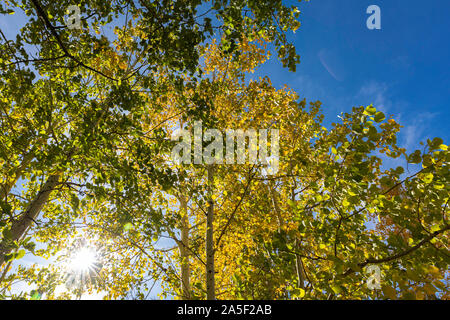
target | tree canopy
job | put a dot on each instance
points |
(88, 116)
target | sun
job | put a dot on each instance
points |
(83, 260)
(81, 266)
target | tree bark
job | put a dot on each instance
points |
(20, 226)
(299, 267)
(6, 188)
(298, 260)
(210, 281)
(274, 198)
(184, 250)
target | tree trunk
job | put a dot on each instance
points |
(19, 227)
(210, 283)
(298, 260)
(184, 250)
(6, 188)
(274, 198)
(299, 267)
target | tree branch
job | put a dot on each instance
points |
(399, 255)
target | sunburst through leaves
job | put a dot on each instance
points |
(82, 265)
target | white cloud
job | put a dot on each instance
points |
(415, 130)
(308, 88)
(331, 63)
(415, 127)
(375, 93)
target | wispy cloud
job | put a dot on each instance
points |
(308, 88)
(415, 127)
(329, 62)
(415, 130)
(375, 93)
(401, 62)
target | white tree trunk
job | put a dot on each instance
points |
(299, 267)
(20, 226)
(210, 281)
(184, 250)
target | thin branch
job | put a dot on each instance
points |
(401, 254)
(41, 13)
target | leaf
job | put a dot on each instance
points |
(291, 203)
(429, 288)
(20, 254)
(9, 257)
(35, 295)
(434, 271)
(399, 170)
(379, 116)
(128, 226)
(123, 65)
(370, 110)
(436, 143)
(389, 292)
(439, 285)
(30, 246)
(336, 288)
(415, 157)
(7, 234)
(428, 178)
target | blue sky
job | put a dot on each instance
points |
(403, 69)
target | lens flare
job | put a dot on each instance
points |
(83, 260)
(82, 268)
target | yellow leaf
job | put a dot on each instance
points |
(389, 292)
(434, 271)
(302, 293)
(429, 289)
(123, 65)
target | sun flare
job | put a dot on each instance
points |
(83, 260)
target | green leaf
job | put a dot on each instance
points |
(7, 234)
(35, 295)
(436, 143)
(379, 116)
(291, 203)
(20, 254)
(9, 257)
(336, 288)
(415, 157)
(128, 226)
(428, 178)
(370, 110)
(399, 170)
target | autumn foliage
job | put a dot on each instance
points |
(85, 157)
